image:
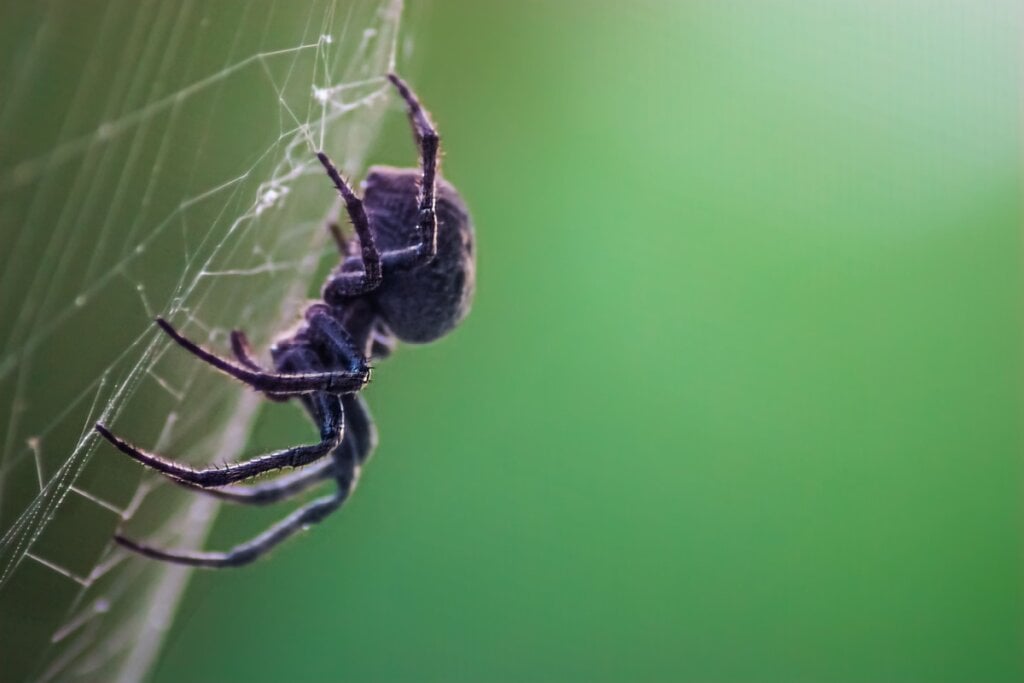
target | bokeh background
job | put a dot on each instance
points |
(740, 398)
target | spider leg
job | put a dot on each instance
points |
(245, 553)
(330, 416)
(272, 491)
(354, 283)
(340, 241)
(359, 428)
(243, 351)
(348, 248)
(357, 446)
(382, 342)
(428, 141)
(327, 333)
(338, 381)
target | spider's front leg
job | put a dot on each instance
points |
(334, 381)
(429, 143)
(349, 283)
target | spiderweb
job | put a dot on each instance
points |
(155, 158)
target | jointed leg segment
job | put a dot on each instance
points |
(242, 350)
(428, 142)
(245, 553)
(352, 283)
(273, 491)
(355, 283)
(360, 438)
(335, 381)
(331, 428)
(343, 466)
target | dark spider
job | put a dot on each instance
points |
(408, 275)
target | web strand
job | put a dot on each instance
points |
(245, 248)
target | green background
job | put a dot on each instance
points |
(740, 396)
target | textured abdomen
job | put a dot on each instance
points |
(424, 303)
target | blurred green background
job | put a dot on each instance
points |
(740, 398)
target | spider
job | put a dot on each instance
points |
(407, 275)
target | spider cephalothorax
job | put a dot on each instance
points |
(408, 274)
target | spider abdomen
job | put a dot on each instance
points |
(422, 303)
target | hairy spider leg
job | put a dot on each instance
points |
(328, 414)
(328, 333)
(359, 442)
(360, 427)
(330, 435)
(245, 553)
(280, 488)
(428, 142)
(348, 248)
(324, 329)
(334, 381)
(354, 283)
(344, 467)
(242, 350)
(346, 284)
